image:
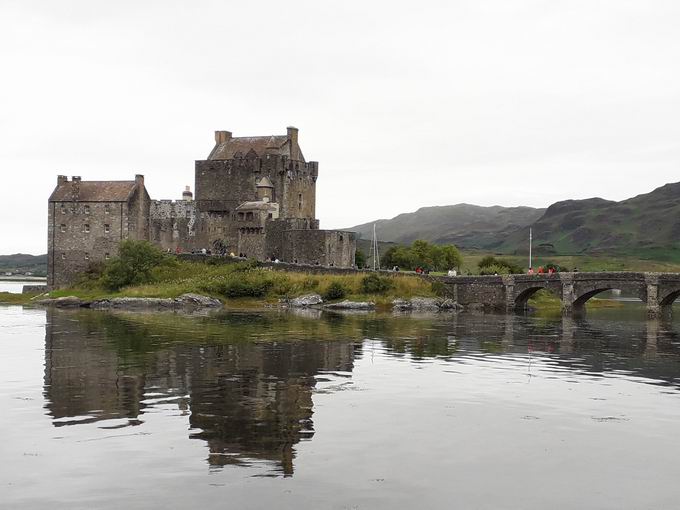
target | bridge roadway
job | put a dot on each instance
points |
(511, 292)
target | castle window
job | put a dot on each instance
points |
(300, 201)
(63, 209)
(249, 216)
(63, 256)
(62, 227)
(240, 216)
(341, 238)
(107, 209)
(86, 228)
(270, 216)
(87, 209)
(107, 228)
(87, 256)
(107, 256)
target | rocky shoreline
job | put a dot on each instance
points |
(132, 303)
(197, 301)
(417, 304)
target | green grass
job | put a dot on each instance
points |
(10, 298)
(242, 284)
(584, 263)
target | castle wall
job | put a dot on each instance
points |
(276, 233)
(138, 214)
(251, 243)
(81, 233)
(319, 247)
(299, 190)
(173, 225)
(222, 185)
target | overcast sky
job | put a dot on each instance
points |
(404, 104)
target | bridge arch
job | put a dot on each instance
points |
(583, 295)
(669, 298)
(523, 295)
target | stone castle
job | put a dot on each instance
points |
(255, 198)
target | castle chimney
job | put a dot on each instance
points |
(292, 134)
(61, 179)
(187, 194)
(293, 137)
(222, 136)
(139, 179)
(75, 188)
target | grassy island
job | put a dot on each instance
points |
(143, 271)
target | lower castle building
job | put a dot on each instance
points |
(255, 198)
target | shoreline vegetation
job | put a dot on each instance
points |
(143, 271)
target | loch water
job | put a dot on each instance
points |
(309, 409)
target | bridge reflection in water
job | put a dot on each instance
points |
(511, 292)
(246, 380)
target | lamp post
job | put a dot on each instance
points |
(530, 242)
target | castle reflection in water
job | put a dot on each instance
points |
(246, 399)
(246, 380)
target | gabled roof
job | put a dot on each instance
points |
(239, 147)
(229, 147)
(93, 191)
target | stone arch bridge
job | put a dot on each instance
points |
(511, 292)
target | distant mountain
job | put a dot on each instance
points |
(21, 262)
(647, 226)
(465, 225)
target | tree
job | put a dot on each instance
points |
(359, 259)
(423, 254)
(133, 266)
(451, 257)
(490, 264)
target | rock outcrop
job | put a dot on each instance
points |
(63, 302)
(351, 305)
(305, 301)
(134, 303)
(421, 304)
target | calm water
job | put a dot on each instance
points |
(284, 411)
(15, 286)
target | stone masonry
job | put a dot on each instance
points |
(255, 197)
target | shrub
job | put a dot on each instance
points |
(494, 269)
(236, 285)
(490, 264)
(438, 288)
(310, 283)
(374, 284)
(133, 266)
(335, 290)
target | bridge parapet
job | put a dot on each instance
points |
(511, 292)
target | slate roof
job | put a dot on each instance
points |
(260, 205)
(261, 145)
(94, 191)
(265, 182)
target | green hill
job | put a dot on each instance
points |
(646, 226)
(21, 263)
(465, 225)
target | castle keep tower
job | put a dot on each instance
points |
(254, 197)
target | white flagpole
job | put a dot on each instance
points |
(530, 242)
